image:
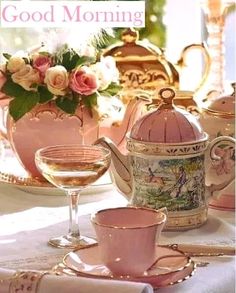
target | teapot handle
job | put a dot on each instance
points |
(212, 156)
(207, 61)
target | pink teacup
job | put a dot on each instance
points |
(127, 238)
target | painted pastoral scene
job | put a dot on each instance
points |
(177, 184)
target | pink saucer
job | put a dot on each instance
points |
(226, 202)
(173, 266)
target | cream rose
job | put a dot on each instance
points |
(57, 80)
(15, 63)
(26, 77)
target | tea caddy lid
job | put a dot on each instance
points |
(223, 106)
(168, 124)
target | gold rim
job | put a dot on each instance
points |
(136, 58)
(227, 115)
(191, 273)
(15, 180)
(135, 278)
(204, 139)
(131, 208)
(23, 181)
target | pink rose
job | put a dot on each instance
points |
(41, 63)
(83, 81)
(2, 79)
(2, 82)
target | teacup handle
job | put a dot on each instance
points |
(211, 156)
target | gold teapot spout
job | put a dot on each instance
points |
(207, 61)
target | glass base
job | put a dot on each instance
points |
(69, 241)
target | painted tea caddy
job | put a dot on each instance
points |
(168, 156)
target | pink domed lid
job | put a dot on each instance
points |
(167, 124)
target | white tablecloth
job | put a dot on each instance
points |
(27, 221)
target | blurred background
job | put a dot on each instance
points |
(170, 24)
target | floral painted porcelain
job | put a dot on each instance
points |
(169, 156)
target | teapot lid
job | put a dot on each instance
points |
(131, 49)
(223, 106)
(167, 124)
(141, 64)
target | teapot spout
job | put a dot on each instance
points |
(119, 167)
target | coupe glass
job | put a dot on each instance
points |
(72, 168)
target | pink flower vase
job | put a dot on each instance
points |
(47, 125)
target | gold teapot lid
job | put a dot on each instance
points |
(131, 49)
(141, 64)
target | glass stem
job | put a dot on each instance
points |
(74, 216)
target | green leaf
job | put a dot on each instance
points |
(26, 60)
(22, 104)
(83, 60)
(69, 60)
(90, 101)
(112, 89)
(66, 104)
(12, 89)
(44, 53)
(34, 86)
(44, 95)
(65, 59)
(73, 62)
(7, 56)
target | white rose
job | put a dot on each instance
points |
(57, 80)
(110, 65)
(15, 63)
(86, 50)
(102, 75)
(26, 77)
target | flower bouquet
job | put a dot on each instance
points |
(65, 77)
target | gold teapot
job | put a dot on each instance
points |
(144, 66)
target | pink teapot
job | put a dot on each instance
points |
(47, 125)
(217, 119)
(168, 157)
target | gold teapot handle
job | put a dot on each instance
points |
(207, 61)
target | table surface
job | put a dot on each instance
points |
(28, 220)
